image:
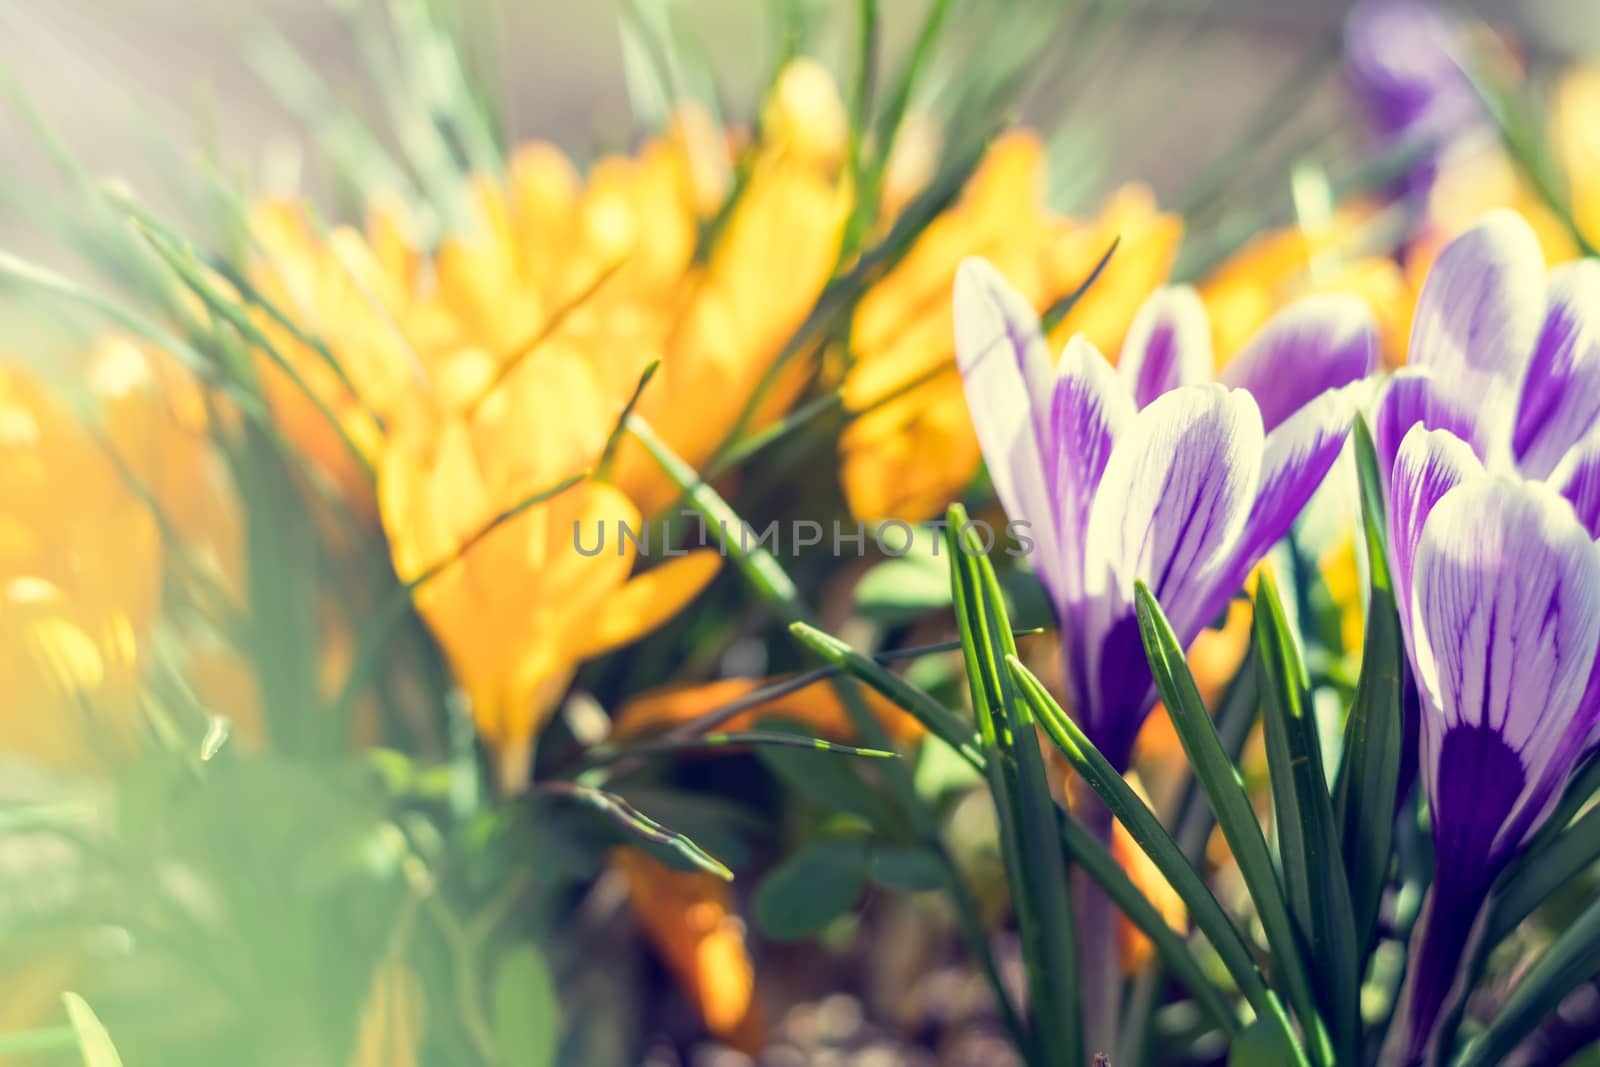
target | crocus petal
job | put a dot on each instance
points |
(1561, 394)
(1579, 480)
(1172, 505)
(1508, 609)
(1177, 490)
(1296, 457)
(648, 600)
(1483, 304)
(1005, 368)
(1416, 396)
(1168, 344)
(1430, 464)
(1315, 344)
(1090, 409)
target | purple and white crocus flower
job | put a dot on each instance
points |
(1492, 436)
(1150, 470)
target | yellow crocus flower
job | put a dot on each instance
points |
(80, 585)
(522, 606)
(910, 447)
(690, 918)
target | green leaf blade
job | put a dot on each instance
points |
(1369, 775)
(1163, 851)
(1308, 835)
(1235, 814)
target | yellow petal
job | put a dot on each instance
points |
(817, 706)
(689, 917)
(647, 601)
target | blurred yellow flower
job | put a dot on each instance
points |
(605, 267)
(817, 706)
(524, 606)
(1280, 266)
(157, 423)
(1575, 140)
(689, 917)
(910, 446)
(80, 584)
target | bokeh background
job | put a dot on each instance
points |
(127, 81)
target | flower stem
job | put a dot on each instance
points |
(1098, 960)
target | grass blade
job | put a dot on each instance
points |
(1163, 851)
(93, 1041)
(1023, 803)
(1235, 815)
(636, 824)
(1369, 774)
(1308, 834)
(1572, 959)
(934, 716)
(1531, 882)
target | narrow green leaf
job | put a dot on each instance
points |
(832, 785)
(1572, 959)
(1308, 835)
(1052, 316)
(1024, 806)
(1235, 815)
(1090, 853)
(93, 1041)
(755, 562)
(813, 886)
(667, 845)
(933, 715)
(1163, 851)
(1532, 881)
(1370, 771)
(1581, 788)
(526, 1010)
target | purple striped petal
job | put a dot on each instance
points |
(1172, 505)
(1561, 394)
(1579, 479)
(1416, 397)
(1430, 464)
(1313, 345)
(1005, 369)
(1089, 410)
(1483, 303)
(1508, 607)
(1168, 344)
(1296, 457)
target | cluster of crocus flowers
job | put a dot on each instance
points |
(497, 366)
(909, 447)
(1151, 471)
(1494, 503)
